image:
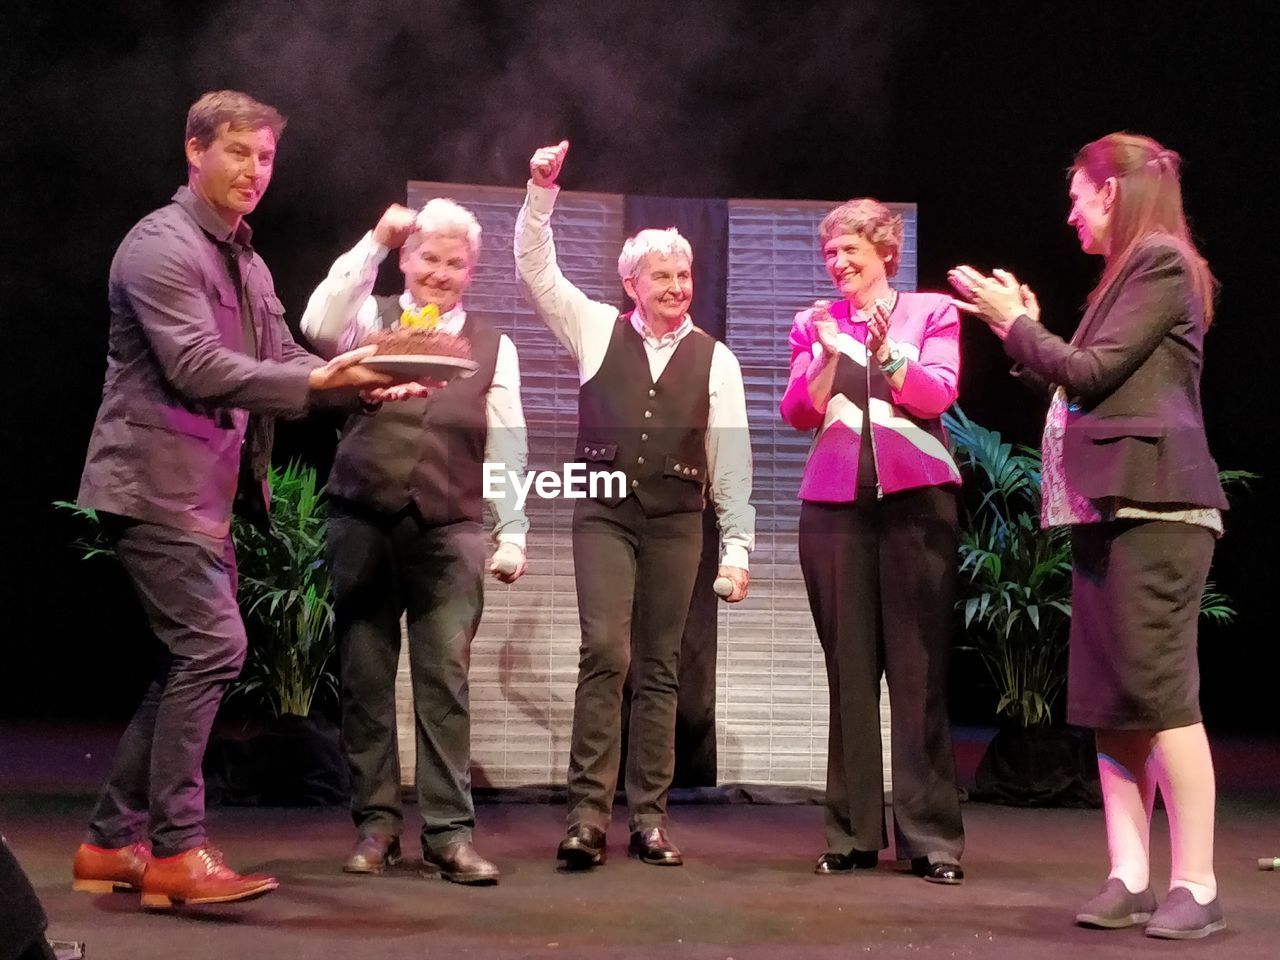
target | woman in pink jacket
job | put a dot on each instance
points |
(872, 373)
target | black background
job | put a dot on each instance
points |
(972, 110)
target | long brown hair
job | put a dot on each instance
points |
(1148, 202)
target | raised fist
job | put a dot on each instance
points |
(395, 225)
(545, 164)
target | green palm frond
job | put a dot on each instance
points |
(285, 595)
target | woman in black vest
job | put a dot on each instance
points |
(1126, 464)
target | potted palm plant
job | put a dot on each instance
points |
(1015, 605)
(285, 597)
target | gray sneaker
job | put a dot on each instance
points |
(1116, 907)
(1181, 918)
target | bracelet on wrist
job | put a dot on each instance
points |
(893, 366)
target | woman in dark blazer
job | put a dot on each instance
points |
(1126, 464)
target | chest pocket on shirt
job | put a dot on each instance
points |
(226, 307)
(270, 321)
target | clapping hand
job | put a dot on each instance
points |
(545, 164)
(824, 327)
(998, 299)
(878, 331)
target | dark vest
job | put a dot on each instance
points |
(428, 451)
(654, 433)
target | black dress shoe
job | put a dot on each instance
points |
(844, 862)
(459, 863)
(373, 853)
(937, 871)
(654, 846)
(582, 849)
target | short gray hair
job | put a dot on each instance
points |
(443, 217)
(665, 243)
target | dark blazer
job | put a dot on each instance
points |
(1132, 376)
(182, 376)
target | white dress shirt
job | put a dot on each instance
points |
(342, 313)
(585, 327)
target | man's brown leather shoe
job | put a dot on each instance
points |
(654, 846)
(583, 848)
(102, 870)
(373, 853)
(199, 876)
(460, 863)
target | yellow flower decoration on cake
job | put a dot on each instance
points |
(424, 318)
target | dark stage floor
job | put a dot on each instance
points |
(746, 891)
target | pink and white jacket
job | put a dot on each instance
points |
(909, 443)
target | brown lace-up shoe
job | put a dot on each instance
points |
(103, 870)
(199, 876)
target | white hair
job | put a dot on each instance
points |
(443, 217)
(665, 243)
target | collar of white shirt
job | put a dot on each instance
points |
(667, 339)
(450, 322)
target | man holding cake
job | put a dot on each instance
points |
(663, 402)
(406, 532)
(199, 362)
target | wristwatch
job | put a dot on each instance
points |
(896, 359)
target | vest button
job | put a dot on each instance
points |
(648, 414)
(644, 436)
(695, 471)
(639, 459)
(653, 393)
(635, 483)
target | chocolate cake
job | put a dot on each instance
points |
(411, 343)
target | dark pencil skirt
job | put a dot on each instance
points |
(1135, 604)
